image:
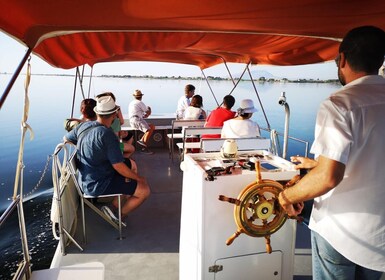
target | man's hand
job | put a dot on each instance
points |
(290, 208)
(148, 112)
(304, 162)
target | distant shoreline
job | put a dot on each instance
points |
(210, 78)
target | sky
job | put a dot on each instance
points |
(11, 53)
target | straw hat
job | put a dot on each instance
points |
(247, 106)
(137, 93)
(105, 105)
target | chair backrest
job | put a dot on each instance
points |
(243, 144)
(72, 169)
(198, 131)
(187, 123)
(201, 130)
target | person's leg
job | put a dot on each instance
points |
(134, 167)
(328, 263)
(363, 273)
(142, 192)
(147, 135)
(128, 150)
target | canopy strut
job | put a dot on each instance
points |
(259, 99)
(14, 77)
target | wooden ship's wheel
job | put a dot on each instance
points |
(257, 211)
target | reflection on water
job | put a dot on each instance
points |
(50, 101)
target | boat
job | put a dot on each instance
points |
(70, 34)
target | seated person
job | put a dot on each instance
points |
(184, 101)
(87, 111)
(102, 167)
(195, 111)
(137, 112)
(220, 115)
(242, 126)
(126, 146)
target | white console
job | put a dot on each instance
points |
(206, 222)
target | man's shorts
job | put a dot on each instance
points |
(139, 123)
(120, 184)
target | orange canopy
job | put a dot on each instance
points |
(69, 33)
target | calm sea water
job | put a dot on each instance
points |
(50, 103)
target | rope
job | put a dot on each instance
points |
(24, 127)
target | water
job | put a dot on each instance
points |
(50, 104)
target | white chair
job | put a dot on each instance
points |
(243, 144)
(85, 199)
(65, 200)
(179, 124)
(193, 132)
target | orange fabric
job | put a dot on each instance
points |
(204, 33)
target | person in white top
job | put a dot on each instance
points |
(195, 111)
(184, 101)
(347, 180)
(242, 126)
(137, 112)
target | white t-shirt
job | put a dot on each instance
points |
(137, 108)
(183, 103)
(192, 113)
(350, 128)
(240, 129)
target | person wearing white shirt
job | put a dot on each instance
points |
(347, 180)
(137, 112)
(195, 111)
(184, 101)
(242, 126)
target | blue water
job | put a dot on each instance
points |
(50, 103)
(51, 100)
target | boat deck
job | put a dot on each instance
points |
(151, 244)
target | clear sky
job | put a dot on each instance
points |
(11, 53)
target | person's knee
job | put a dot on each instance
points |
(134, 167)
(143, 190)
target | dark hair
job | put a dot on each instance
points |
(188, 88)
(364, 48)
(229, 101)
(87, 108)
(244, 115)
(197, 101)
(106, 94)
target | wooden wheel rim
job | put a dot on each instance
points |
(259, 213)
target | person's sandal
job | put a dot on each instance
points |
(141, 143)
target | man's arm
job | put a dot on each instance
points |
(126, 172)
(321, 179)
(148, 112)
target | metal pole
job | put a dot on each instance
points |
(14, 77)
(207, 81)
(259, 99)
(282, 102)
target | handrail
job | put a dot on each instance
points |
(306, 143)
(23, 270)
(9, 210)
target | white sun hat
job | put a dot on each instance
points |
(247, 106)
(105, 105)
